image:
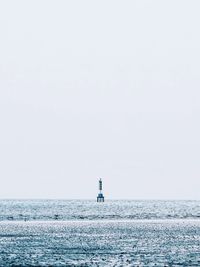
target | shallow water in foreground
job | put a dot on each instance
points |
(100, 243)
(115, 233)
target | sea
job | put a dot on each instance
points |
(140, 233)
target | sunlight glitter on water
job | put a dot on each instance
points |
(114, 233)
(101, 243)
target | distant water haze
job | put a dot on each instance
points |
(93, 89)
(69, 210)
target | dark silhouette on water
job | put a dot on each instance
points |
(100, 197)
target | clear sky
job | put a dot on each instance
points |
(100, 88)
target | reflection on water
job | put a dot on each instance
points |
(90, 210)
(114, 233)
(100, 243)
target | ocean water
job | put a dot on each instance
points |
(86, 233)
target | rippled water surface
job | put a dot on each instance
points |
(84, 233)
(90, 210)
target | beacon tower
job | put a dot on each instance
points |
(100, 197)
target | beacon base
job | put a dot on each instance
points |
(100, 198)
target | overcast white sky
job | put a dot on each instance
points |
(100, 88)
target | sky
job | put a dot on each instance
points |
(105, 89)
